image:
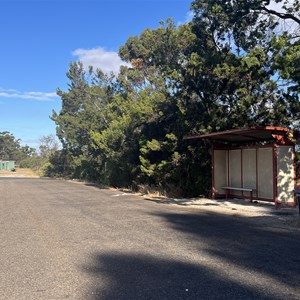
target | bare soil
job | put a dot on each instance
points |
(20, 172)
(261, 212)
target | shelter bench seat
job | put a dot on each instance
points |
(229, 188)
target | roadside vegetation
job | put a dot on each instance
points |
(235, 64)
(25, 157)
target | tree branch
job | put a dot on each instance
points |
(281, 15)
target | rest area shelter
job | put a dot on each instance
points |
(255, 163)
(7, 165)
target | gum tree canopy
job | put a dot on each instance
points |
(235, 64)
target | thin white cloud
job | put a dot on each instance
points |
(188, 18)
(7, 90)
(106, 61)
(39, 96)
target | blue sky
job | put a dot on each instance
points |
(40, 38)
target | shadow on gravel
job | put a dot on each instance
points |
(249, 249)
(270, 251)
(144, 277)
(96, 185)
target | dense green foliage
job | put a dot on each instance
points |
(229, 67)
(298, 166)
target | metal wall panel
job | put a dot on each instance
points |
(285, 174)
(235, 169)
(265, 172)
(249, 170)
(220, 170)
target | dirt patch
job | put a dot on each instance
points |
(258, 212)
(20, 172)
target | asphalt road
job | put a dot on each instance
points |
(65, 240)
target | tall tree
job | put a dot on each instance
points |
(48, 145)
(11, 149)
(226, 68)
(261, 56)
(8, 146)
(84, 109)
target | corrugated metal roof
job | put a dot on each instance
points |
(244, 135)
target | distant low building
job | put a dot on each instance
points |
(7, 165)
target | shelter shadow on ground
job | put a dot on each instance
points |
(249, 262)
(145, 277)
(271, 252)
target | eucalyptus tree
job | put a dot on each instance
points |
(230, 66)
(260, 70)
(84, 110)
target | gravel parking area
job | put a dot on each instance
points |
(66, 240)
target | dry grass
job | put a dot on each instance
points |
(20, 172)
(170, 191)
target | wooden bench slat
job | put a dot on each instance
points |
(227, 188)
(237, 189)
